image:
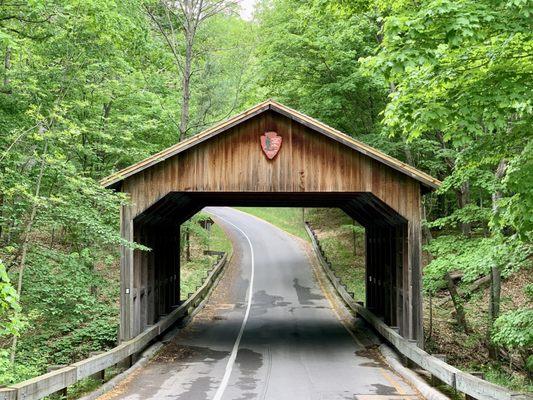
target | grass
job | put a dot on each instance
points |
(219, 241)
(335, 231)
(496, 374)
(288, 219)
(193, 272)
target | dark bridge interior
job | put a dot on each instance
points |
(157, 279)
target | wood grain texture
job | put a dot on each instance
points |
(307, 162)
(268, 108)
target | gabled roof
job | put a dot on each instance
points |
(426, 180)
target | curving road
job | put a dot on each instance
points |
(287, 343)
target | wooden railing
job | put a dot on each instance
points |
(458, 380)
(59, 379)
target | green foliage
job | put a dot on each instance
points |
(10, 374)
(193, 272)
(308, 59)
(474, 257)
(516, 209)
(10, 323)
(514, 329)
(461, 67)
(192, 227)
(460, 73)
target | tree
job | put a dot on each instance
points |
(181, 24)
(462, 73)
(10, 323)
(308, 58)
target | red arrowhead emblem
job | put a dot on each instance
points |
(271, 143)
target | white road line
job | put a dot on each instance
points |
(233, 355)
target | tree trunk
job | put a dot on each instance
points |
(186, 87)
(496, 279)
(26, 240)
(430, 333)
(354, 239)
(460, 315)
(464, 200)
(494, 308)
(427, 237)
(188, 245)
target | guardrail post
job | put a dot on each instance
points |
(8, 393)
(99, 376)
(434, 380)
(126, 362)
(62, 392)
(480, 375)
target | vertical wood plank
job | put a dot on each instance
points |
(126, 275)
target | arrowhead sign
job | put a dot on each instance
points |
(271, 143)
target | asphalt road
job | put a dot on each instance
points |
(267, 332)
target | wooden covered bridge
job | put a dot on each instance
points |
(271, 155)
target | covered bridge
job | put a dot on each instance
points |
(271, 155)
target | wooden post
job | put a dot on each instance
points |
(99, 376)
(391, 274)
(50, 368)
(178, 268)
(126, 275)
(144, 285)
(414, 287)
(151, 283)
(137, 274)
(477, 374)
(368, 268)
(399, 276)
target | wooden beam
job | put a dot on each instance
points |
(126, 275)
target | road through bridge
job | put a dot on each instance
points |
(267, 332)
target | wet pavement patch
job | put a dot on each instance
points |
(249, 362)
(262, 301)
(384, 389)
(198, 389)
(304, 293)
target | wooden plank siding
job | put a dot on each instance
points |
(307, 162)
(311, 169)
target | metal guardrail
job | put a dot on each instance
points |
(458, 380)
(54, 381)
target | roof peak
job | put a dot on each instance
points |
(271, 104)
